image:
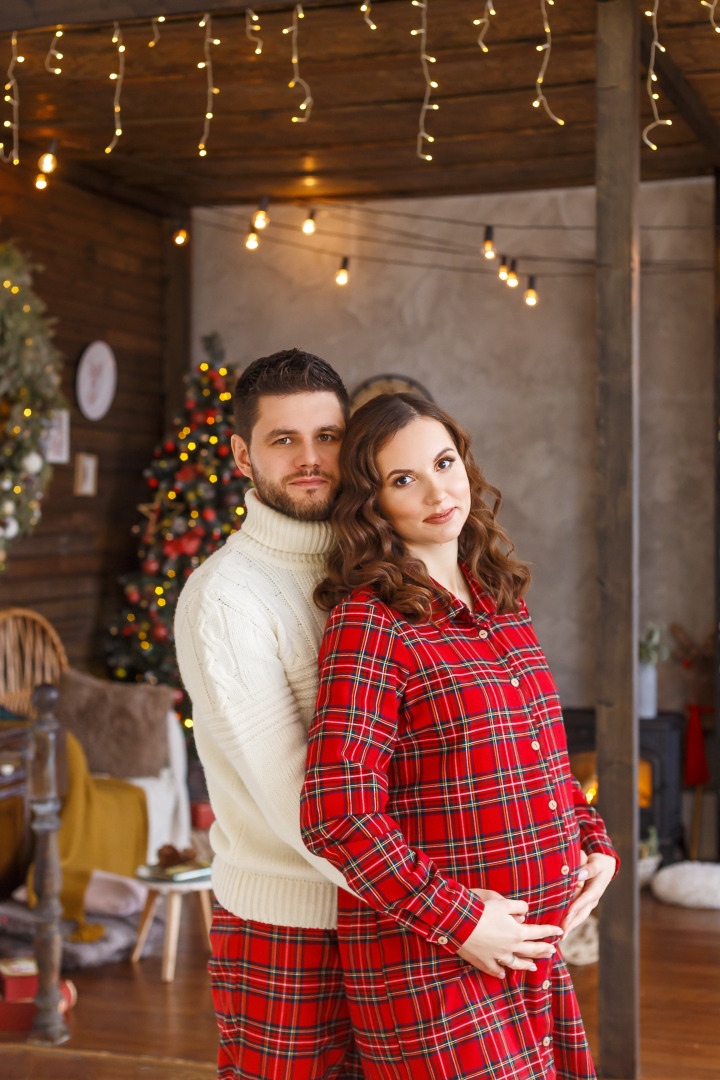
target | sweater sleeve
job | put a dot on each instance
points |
(344, 803)
(237, 683)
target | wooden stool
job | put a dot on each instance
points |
(174, 891)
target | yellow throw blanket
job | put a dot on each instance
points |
(103, 826)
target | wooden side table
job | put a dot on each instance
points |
(174, 891)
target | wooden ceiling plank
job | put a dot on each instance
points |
(685, 98)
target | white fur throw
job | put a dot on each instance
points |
(582, 945)
(688, 884)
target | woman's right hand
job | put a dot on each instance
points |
(502, 939)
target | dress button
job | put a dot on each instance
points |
(546, 985)
(483, 633)
(565, 870)
(514, 682)
(442, 940)
(546, 1040)
(535, 744)
(552, 804)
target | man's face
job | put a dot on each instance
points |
(293, 453)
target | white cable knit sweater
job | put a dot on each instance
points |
(247, 635)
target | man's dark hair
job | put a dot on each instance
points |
(290, 371)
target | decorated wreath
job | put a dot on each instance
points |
(29, 392)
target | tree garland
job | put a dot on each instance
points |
(30, 368)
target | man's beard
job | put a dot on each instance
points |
(312, 507)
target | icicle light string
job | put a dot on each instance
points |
(53, 55)
(207, 66)
(546, 49)
(12, 98)
(711, 6)
(655, 47)
(483, 24)
(366, 10)
(306, 105)
(117, 77)
(252, 30)
(430, 83)
(156, 30)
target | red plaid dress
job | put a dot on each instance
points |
(437, 764)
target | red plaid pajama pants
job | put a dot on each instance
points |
(279, 998)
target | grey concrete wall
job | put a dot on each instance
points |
(521, 380)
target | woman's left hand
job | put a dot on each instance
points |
(600, 870)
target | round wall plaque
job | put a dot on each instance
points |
(96, 380)
(386, 384)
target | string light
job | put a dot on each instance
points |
(180, 237)
(118, 78)
(503, 268)
(545, 48)
(483, 24)
(430, 84)
(711, 5)
(531, 296)
(252, 30)
(488, 245)
(307, 104)
(366, 9)
(308, 226)
(206, 65)
(47, 163)
(53, 54)
(252, 241)
(655, 46)
(512, 279)
(343, 276)
(261, 217)
(12, 97)
(156, 30)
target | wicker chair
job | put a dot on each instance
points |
(31, 653)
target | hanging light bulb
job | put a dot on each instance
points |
(261, 218)
(488, 245)
(512, 278)
(180, 237)
(251, 240)
(503, 269)
(342, 277)
(531, 296)
(47, 163)
(308, 226)
(41, 181)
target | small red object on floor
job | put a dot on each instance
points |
(18, 1015)
(201, 815)
(18, 978)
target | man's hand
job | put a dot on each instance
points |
(600, 870)
(502, 939)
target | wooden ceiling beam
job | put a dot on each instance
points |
(685, 98)
(40, 14)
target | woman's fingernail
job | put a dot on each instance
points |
(533, 967)
(582, 874)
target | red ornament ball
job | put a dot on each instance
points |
(223, 451)
(152, 482)
(133, 595)
(209, 514)
(169, 446)
(160, 632)
(150, 566)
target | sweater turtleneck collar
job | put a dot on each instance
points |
(282, 533)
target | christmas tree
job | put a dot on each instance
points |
(196, 501)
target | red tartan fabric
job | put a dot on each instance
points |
(280, 1002)
(437, 763)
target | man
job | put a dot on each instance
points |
(247, 635)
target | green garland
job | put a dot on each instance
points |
(30, 368)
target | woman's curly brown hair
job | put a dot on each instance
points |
(369, 553)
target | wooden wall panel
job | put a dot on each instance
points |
(103, 278)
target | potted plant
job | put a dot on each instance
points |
(651, 651)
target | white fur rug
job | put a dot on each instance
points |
(688, 884)
(582, 945)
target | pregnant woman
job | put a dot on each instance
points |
(438, 779)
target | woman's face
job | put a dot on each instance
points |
(425, 492)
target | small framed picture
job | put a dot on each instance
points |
(86, 470)
(57, 438)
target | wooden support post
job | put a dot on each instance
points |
(49, 1027)
(178, 300)
(715, 765)
(617, 314)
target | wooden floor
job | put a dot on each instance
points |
(128, 1025)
